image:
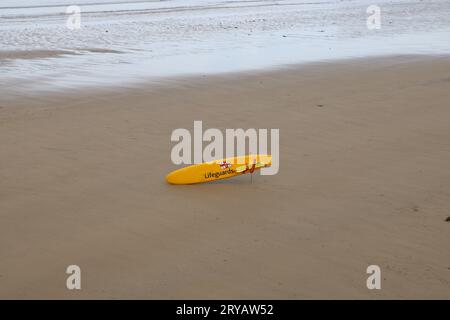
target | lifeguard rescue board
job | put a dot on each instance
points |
(219, 169)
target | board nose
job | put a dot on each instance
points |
(170, 178)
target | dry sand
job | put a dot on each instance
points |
(364, 179)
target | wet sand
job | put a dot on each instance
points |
(364, 179)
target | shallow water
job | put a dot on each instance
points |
(126, 41)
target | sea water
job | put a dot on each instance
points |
(120, 41)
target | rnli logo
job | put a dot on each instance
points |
(224, 165)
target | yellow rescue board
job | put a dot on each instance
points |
(219, 169)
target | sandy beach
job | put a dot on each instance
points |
(364, 179)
